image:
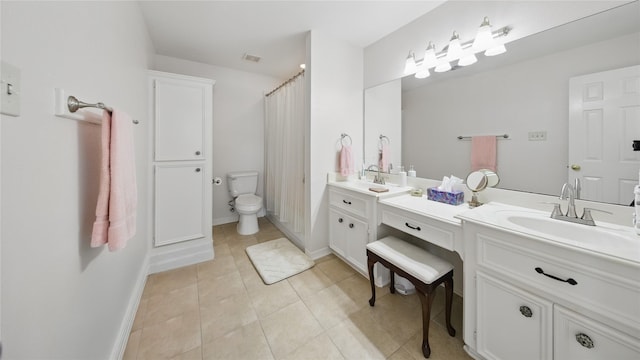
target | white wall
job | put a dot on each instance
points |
(528, 96)
(60, 298)
(238, 123)
(334, 81)
(384, 60)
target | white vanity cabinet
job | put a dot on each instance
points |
(531, 298)
(350, 216)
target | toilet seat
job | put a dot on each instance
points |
(248, 202)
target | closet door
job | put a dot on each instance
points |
(179, 210)
(180, 115)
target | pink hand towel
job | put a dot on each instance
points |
(346, 160)
(483, 153)
(117, 198)
(383, 162)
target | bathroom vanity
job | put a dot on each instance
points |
(534, 287)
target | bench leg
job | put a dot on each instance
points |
(448, 286)
(392, 286)
(370, 263)
(426, 301)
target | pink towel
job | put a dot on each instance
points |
(383, 161)
(117, 198)
(483, 153)
(346, 160)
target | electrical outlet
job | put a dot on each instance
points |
(537, 135)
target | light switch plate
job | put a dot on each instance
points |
(9, 89)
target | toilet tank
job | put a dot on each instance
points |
(242, 182)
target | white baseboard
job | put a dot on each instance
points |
(177, 255)
(225, 220)
(317, 254)
(130, 315)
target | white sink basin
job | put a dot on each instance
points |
(604, 237)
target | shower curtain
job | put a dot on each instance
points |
(284, 153)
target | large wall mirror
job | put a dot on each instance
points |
(525, 94)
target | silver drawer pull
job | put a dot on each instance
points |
(526, 311)
(412, 227)
(584, 340)
(569, 280)
(346, 202)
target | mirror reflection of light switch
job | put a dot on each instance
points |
(9, 89)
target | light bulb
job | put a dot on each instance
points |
(468, 59)
(484, 38)
(410, 64)
(454, 51)
(430, 59)
(443, 67)
(423, 71)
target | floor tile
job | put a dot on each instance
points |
(170, 338)
(319, 348)
(220, 265)
(133, 343)
(309, 283)
(226, 315)
(443, 346)
(214, 288)
(247, 342)
(163, 307)
(361, 337)
(336, 269)
(163, 282)
(290, 328)
(330, 306)
(271, 298)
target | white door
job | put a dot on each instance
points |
(604, 119)
(179, 210)
(180, 116)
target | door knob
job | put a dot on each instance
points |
(575, 167)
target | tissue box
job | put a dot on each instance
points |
(451, 198)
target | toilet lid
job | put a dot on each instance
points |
(248, 200)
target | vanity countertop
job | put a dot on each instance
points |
(611, 240)
(362, 187)
(424, 207)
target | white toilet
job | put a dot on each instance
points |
(242, 187)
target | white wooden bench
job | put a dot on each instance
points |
(423, 269)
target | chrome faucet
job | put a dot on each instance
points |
(568, 188)
(378, 179)
(569, 192)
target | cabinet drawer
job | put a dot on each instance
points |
(577, 337)
(419, 227)
(349, 202)
(587, 286)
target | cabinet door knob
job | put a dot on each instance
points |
(584, 340)
(197, 152)
(340, 220)
(197, 169)
(526, 311)
(350, 226)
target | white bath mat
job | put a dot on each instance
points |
(278, 259)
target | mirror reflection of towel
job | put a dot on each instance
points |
(346, 160)
(383, 161)
(483, 152)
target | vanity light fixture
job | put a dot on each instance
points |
(463, 54)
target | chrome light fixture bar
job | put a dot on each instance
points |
(464, 53)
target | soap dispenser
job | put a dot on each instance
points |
(411, 172)
(403, 176)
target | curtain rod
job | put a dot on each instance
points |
(285, 83)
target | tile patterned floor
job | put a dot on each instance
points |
(221, 309)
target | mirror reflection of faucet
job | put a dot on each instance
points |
(568, 192)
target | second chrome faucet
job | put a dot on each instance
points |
(568, 192)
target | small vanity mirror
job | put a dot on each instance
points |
(479, 180)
